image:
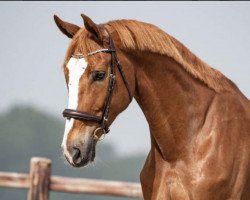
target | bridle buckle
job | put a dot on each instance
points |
(99, 134)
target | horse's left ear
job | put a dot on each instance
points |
(93, 28)
(67, 28)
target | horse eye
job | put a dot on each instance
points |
(98, 75)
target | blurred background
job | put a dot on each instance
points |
(33, 91)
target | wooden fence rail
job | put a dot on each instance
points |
(40, 182)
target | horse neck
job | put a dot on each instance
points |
(173, 102)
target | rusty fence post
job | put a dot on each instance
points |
(40, 170)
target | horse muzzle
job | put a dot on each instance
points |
(79, 152)
(79, 156)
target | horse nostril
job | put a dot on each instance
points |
(76, 154)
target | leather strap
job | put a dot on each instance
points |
(124, 80)
(111, 85)
(70, 113)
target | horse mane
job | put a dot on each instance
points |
(135, 35)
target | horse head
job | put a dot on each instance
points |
(98, 87)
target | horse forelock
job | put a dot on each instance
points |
(81, 44)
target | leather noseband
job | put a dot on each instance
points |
(69, 113)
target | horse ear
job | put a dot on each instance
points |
(93, 28)
(66, 28)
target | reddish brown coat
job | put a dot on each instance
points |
(199, 120)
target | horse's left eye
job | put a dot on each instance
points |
(98, 75)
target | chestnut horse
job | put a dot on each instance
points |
(199, 120)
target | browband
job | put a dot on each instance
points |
(79, 56)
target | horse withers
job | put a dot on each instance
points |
(199, 120)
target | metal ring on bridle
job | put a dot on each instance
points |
(97, 136)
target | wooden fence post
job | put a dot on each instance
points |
(40, 170)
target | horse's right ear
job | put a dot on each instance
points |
(66, 28)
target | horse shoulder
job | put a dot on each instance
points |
(222, 149)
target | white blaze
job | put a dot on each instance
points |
(76, 69)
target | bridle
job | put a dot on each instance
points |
(83, 116)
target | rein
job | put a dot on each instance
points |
(83, 116)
